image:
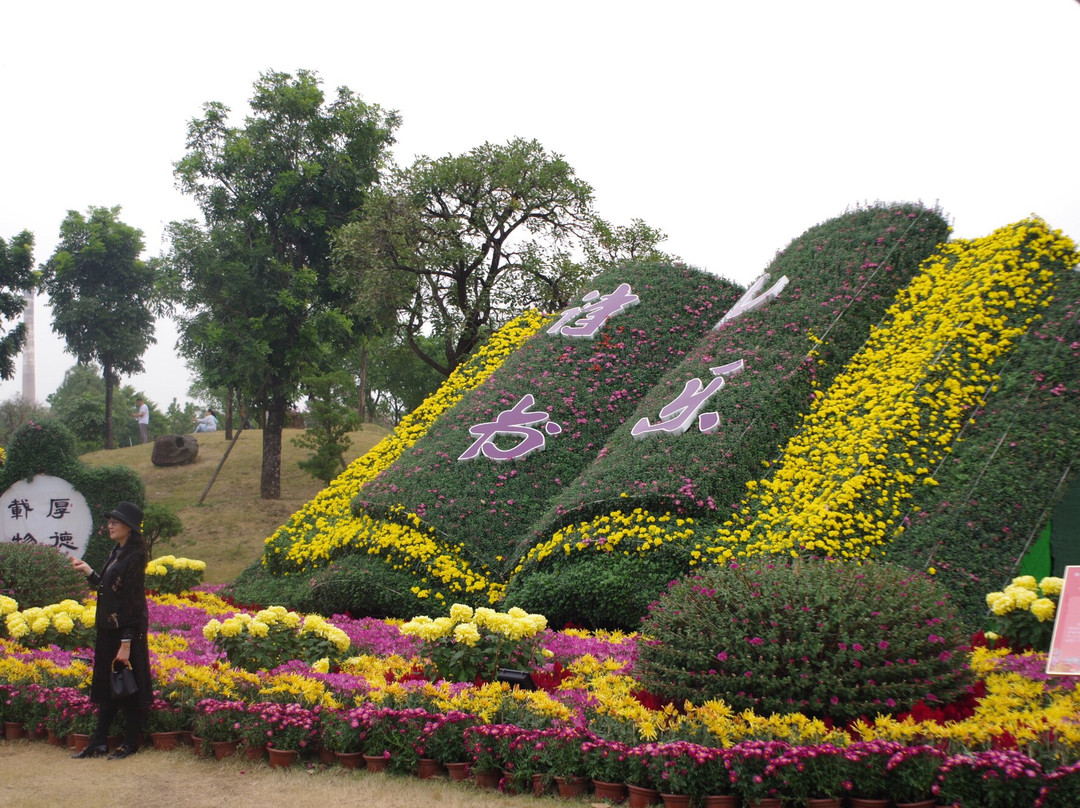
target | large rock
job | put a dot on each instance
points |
(174, 450)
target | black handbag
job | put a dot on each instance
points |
(122, 682)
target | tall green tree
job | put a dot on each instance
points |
(271, 192)
(459, 243)
(16, 279)
(103, 296)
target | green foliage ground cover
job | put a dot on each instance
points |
(588, 386)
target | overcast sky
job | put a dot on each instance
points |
(731, 126)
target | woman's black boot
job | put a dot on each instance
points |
(92, 750)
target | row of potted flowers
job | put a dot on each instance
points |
(527, 759)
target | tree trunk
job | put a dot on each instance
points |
(363, 382)
(110, 384)
(228, 412)
(270, 486)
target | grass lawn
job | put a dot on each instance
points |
(227, 530)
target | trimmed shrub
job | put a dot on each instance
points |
(160, 523)
(831, 640)
(360, 584)
(36, 575)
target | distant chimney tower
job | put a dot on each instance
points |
(29, 389)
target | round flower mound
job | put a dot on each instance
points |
(826, 639)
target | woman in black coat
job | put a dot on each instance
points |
(122, 622)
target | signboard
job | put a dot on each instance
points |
(1064, 658)
(48, 511)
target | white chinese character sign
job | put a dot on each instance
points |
(583, 322)
(517, 422)
(677, 416)
(48, 511)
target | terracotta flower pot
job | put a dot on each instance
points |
(823, 802)
(539, 785)
(224, 749)
(326, 756)
(459, 772)
(570, 788)
(675, 800)
(376, 763)
(349, 760)
(720, 801)
(641, 797)
(426, 768)
(254, 752)
(766, 802)
(612, 792)
(78, 741)
(487, 779)
(57, 740)
(282, 758)
(920, 804)
(14, 730)
(165, 741)
(862, 802)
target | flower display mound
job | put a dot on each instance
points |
(828, 640)
(627, 523)
(377, 570)
(589, 715)
(586, 387)
(894, 442)
(1014, 459)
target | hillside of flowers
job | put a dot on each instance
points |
(640, 495)
(1013, 459)
(866, 458)
(587, 386)
(377, 691)
(872, 446)
(325, 528)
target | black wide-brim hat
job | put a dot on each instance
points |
(130, 514)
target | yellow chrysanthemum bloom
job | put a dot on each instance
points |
(1000, 603)
(1021, 595)
(1044, 609)
(1051, 585)
(466, 633)
(1026, 581)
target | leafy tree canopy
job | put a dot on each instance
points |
(16, 278)
(103, 296)
(267, 309)
(460, 244)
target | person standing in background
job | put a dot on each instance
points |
(142, 416)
